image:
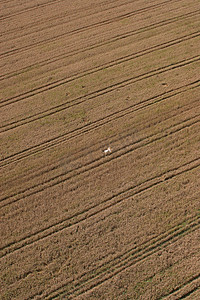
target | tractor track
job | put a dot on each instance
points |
(50, 2)
(95, 163)
(60, 16)
(105, 90)
(69, 14)
(68, 104)
(57, 140)
(190, 293)
(177, 290)
(78, 30)
(98, 161)
(126, 133)
(42, 265)
(97, 45)
(120, 263)
(92, 211)
(107, 203)
(57, 109)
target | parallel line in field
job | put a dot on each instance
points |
(120, 263)
(94, 46)
(107, 89)
(122, 267)
(115, 137)
(78, 30)
(177, 290)
(85, 8)
(6, 1)
(60, 82)
(54, 181)
(78, 131)
(67, 14)
(64, 15)
(108, 120)
(50, 2)
(190, 293)
(127, 133)
(60, 178)
(92, 211)
(52, 167)
(129, 260)
(45, 113)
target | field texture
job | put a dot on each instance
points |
(77, 77)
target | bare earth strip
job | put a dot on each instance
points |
(76, 78)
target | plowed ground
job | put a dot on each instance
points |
(76, 78)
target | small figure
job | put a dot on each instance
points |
(107, 151)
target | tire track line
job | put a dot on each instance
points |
(60, 178)
(105, 90)
(92, 211)
(78, 131)
(81, 99)
(46, 113)
(50, 2)
(115, 137)
(69, 14)
(190, 293)
(84, 28)
(120, 114)
(64, 15)
(126, 134)
(120, 263)
(44, 20)
(98, 208)
(176, 292)
(97, 45)
(6, 1)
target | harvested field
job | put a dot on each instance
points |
(77, 78)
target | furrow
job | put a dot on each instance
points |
(122, 262)
(92, 211)
(96, 45)
(97, 162)
(85, 28)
